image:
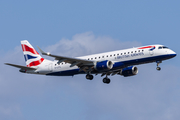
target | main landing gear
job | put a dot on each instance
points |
(106, 80)
(158, 68)
(89, 77)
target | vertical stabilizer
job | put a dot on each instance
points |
(31, 56)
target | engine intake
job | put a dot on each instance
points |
(103, 65)
(129, 71)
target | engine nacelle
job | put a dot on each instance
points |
(103, 65)
(129, 71)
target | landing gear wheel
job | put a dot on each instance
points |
(158, 68)
(89, 77)
(106, 80)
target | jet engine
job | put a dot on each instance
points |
(129, 71)
(103, 65)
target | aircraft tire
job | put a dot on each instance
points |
(89, 77)
(106, 80)
(158, 68)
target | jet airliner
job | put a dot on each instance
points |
(120, 62)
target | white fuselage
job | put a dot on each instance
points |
(120, 59)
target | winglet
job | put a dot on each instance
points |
(42, 52)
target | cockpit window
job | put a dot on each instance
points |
(160, 47)
(163, 47)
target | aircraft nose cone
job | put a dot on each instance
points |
(173, 54)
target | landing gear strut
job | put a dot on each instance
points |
(158, 68)
(106, 80)
(89, 77)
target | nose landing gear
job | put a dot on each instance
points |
(158, 63)
(158, 68)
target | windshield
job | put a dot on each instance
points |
(160, 47)
(163, 47)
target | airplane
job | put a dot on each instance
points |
(120, 62)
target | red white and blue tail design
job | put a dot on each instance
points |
(31, 56)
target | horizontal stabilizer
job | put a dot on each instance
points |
(22, 67)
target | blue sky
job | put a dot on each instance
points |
(75, 28)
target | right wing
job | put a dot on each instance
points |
(19, 66)
(73, 61)
(84, 65)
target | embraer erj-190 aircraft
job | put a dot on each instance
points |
(119, 62)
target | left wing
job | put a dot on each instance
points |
(73, 61)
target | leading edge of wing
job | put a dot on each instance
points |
(20, 66)
(67, 59)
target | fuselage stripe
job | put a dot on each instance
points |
(146, 47)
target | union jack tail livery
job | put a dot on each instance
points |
(31, 56)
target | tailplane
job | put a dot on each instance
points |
(31, 56)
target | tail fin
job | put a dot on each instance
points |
(31, 56)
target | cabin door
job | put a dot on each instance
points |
(50, 67)
(151, 52)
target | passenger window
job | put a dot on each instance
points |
(124, 53)
(117, 54)
(107, 55)
(99, 57)
(121, 53)
(91, 58)
(131, 51)
(102, 56)
(128, 52)
(110, 55)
